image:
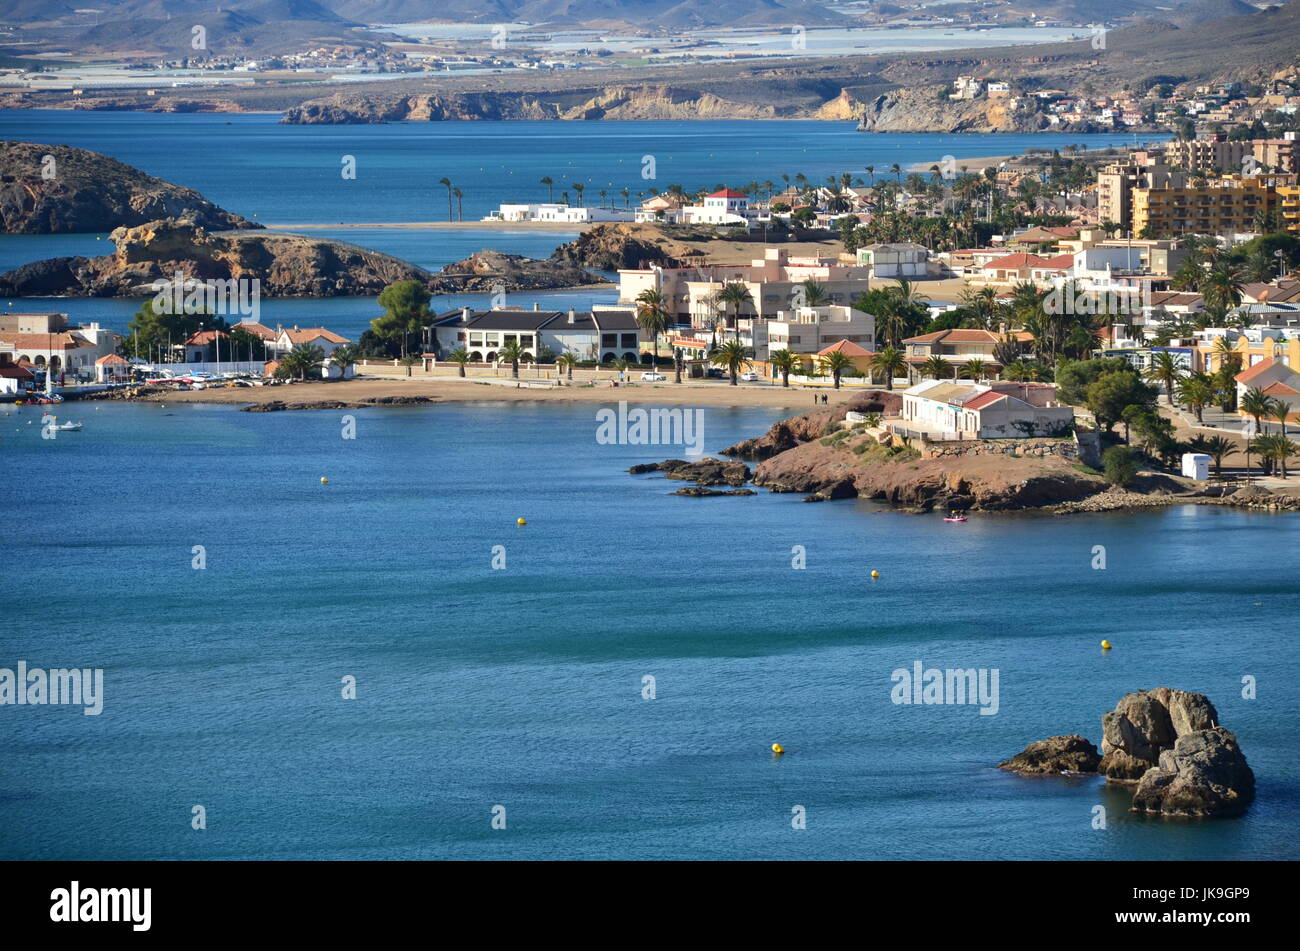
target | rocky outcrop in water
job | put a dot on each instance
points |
(1069, 753)
(1144, 724)
(285, 265)
(1204, 775)
(609, 247)
(55, 189)
(484, 271)
(705, 472)
(788, 433)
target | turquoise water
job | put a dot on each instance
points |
(522, 687)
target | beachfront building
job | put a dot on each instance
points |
(807, 330)
(726, 207)
(661, 209)
(773, 282)
(604, 335)
(67, 352)
(961, 409)
(112, 369)
(556, 213)
(903, 259)
(960, 346)
(286, 340)
(15, 379)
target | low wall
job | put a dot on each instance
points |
(1065, 448)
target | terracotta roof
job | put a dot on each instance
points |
(313, 333)
(1280, 389)
(1060, 262)
(728, 193)
(1245, 376)
(254, 328)
(1018, 260)
(13, 371)
(846, 346)
(965, 335)
(984, 399)
(58, 341)
(205, 337)
(111, 358)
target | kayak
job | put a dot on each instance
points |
(954, 518)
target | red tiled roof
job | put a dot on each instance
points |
(845, 346)
(13, 371)
(256, 329)
(984, 399)
(58, 341)
(308, 334)
(1018, 260)
(1280, 389)
(112, 358)
(1060, 262)
(205, 337)
(728, 193)
(1245, 376)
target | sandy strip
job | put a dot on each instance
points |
(713, 393)
(442, 226)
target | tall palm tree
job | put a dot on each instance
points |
(1281, 411)
(343, 357)
(1197, 392)
(1254, 403)
(578, 188)
(447, 182)
(737, 295)
(409, 361)
(303, 359)
(837, 363)
(1276, 449)
(550, 188)
(511, 352)
(1165, 371)
(460, 356)
(888, 362)
(460, 207)
(814, 294)
(786, 361)
(652, 316)
(733, 355)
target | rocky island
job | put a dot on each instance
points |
(1168, 744)
(55, 189)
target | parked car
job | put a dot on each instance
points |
(649, 377)
(749, 377)
(715, 373)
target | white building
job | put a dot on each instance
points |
(557, 213)
(726, 207)
(892, 261)
(286, 340)
(961, 409)
(808, 330)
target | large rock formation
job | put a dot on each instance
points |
(1070, 753)
(285, 265)
(705, 472)
(788, 433)
(485, 270)
(1205, 774)
(610, 247)
(1146, 723)
(55, 189)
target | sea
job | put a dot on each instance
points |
(326, 634)
(279, 174)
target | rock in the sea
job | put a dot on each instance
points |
(707, 471)
(1145, 724)
(1069, 753)
(700, 491)
(1205, 774)
(57, 189)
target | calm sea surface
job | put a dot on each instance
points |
(523, 687)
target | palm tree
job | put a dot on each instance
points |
(303, 359)
(343, 357)
(1164, 371)
(447, 182)
(1281, 410)
(409, 361)
(814, 294)
(733, 355)
(550, 188)
(460, 208)
(1019, 370)
(871, 174)
(736, 295)
(1255, 403)
(1276, 449)
(652, 316)
(837, 362)
(566, 362)
(1221, 288)
(512, 352)
(897, 172)
(460, 357)
(888, 362)
(937, 368)
(973, 370)
(1214, 446)
(578, 187)
(784, 360)
(1196, 391)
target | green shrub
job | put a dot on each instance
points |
(1120, 464)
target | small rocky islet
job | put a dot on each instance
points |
(1167, 744)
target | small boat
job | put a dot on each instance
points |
(69, 427)
(954, 518)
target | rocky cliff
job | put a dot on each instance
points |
(55, 189)
(285, 265)
(922, 110)
(609, 247)
(486, 271)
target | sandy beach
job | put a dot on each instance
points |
(364, 390)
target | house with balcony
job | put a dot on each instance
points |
(603, 335)
(726, 207)
(807, 330)
(286, 340)
(903, 259)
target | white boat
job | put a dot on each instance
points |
(69, 427)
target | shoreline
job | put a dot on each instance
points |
(559, 226)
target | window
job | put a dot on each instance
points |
(629, 340)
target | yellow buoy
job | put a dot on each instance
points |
(874, 573)
(778, 749)
(324, 481)
(520, 521)
(1105, 645)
